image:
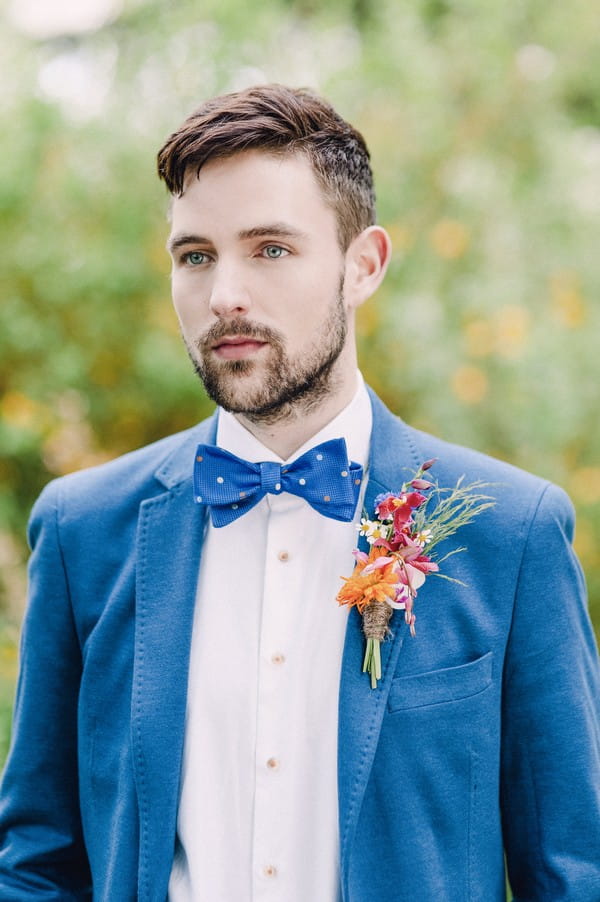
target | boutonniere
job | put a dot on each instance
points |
(403, 535)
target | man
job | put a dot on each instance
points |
(192, 719)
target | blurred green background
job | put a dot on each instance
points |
(483, 120)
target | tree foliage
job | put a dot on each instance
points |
(484, 126)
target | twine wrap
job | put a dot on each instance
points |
(376, 617)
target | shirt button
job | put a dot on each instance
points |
(269, 870)
(277, 658)
(284, 556)
(273, 764)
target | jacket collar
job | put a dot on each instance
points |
(177, 467)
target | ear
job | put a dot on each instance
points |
(367, 260)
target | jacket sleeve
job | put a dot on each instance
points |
(42, 853)
(550, 792)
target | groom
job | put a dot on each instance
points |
(192, 719)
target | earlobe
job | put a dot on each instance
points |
(367, 260)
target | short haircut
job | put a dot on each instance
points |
(279, 120)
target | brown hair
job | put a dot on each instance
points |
(278, 119)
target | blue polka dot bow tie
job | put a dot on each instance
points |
(232, 486)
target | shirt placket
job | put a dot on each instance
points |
(275, 669)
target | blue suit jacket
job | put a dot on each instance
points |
(482, 736)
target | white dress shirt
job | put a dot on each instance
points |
(258, 813)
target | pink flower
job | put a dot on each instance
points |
(377, 564)
(383, 543)
(412, 578)
(402, 596)
(409, 581)
(422, 484)
(424, 564)
(409, 544)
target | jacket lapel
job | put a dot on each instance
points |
(169, 541)
(361, 708)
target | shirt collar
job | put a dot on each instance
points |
(353, 424)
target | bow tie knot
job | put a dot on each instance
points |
(323, 476)
(270, 477)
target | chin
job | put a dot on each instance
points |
(236, 398)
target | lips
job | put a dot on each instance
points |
(237, 347)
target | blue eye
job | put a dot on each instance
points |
(195, 258)
(274, 251)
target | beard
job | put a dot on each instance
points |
(288, 385)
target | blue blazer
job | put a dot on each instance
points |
(482, 738)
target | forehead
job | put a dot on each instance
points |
(247, 188)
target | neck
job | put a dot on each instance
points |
(295, 425)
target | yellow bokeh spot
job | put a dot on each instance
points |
(9, 661)
(69, 447)
(401, 235)
(18, 410)
(585, 544)
(470, 384)
(162, 315)
(105, 370)
(158, 256)
(368, 319)
(512, 327)
(567, 301)
(584, 485)
(479, 338)
(449, 239)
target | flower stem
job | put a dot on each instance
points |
(372, 661)
(375, 627)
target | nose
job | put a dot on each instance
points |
(229, 294)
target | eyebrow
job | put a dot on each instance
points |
(280, 229)
(276, 229)
(184, 239)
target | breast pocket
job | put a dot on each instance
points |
(439, 686)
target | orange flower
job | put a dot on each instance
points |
(374, 579)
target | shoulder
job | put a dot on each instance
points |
(122, 483)
(521, 497)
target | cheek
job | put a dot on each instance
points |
(312, 305)
(187, 299)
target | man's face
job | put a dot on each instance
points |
(258, 283)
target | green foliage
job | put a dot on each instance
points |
(8, 668)
(484, 125)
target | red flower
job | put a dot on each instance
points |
(415, 499)
(402, 516)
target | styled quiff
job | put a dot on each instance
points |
(279, 120)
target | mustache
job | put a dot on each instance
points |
(238, 326)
